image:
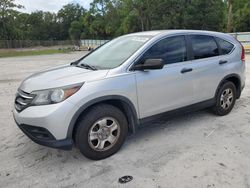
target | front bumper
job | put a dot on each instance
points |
(55, 118)
(43, 137)
(47, 125)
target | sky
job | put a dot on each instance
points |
(49, 5)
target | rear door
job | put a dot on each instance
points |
(208, 69)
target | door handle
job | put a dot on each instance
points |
(185, 70)
(222, 62)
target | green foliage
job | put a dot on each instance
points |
(75, 30)
(241, 15)
(7, 18)
(110, 18)
(68, 14)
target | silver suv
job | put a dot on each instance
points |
(95, 102)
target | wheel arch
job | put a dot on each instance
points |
(121, 102)
(235, 78)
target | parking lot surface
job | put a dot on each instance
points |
(192, 151)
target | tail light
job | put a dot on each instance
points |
(243, 54)
(243, 57)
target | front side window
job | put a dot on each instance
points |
(115, 52)
(171, 50)
(204, 46)
(226, 47)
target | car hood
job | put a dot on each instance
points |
(59, 77)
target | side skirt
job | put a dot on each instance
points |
(183, 110)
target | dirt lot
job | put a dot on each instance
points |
(193, 151)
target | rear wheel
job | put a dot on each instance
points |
(101, 132)
(225, 99)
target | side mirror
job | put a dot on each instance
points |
(149, 64)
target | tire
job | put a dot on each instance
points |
(225, 99)
(101, 132)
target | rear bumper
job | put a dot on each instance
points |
(43, 137)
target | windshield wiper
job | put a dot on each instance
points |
(74, 63)
(87, 66)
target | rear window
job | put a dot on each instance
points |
(226, 47)
(204, 46)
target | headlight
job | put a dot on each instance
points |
(56, 95)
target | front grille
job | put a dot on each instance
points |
(23, 100)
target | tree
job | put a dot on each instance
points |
(204, 15)
(242, 18)
(75, 31)
(107, 19)
(7, 13)
(229, 16)
(68, 14)
(21, 26)
(141, 11)
(7, 7)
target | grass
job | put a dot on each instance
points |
(13, 53)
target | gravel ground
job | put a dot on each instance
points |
(193, 150)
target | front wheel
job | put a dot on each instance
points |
(225, 99)
(101, 132)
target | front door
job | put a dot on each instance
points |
(169, 88)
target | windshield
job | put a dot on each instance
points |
(115, 52)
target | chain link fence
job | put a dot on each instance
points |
(8, 44)
(93, 43)
(243, 37)
(15, 44)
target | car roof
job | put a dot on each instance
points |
(177, 31)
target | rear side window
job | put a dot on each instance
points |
(204, 46)
(171, 50)
(226, 47)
